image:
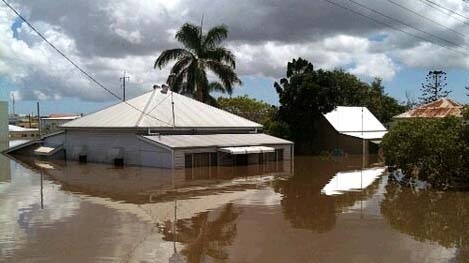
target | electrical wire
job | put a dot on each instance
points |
(424, 17)
(462, 20)
(445, 8)
(74, 64)
(404, 23)
(390, 26)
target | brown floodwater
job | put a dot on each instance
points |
(317, 210)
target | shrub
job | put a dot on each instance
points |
(429, 149)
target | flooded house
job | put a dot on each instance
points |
(350, 130)
(441, 108)
(52, 122)
(162, 129)
(21, 133)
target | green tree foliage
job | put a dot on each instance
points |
(305, 94)
(249, 108)
(201, 53)
(430, 149)
(257, 111)
(433, 88)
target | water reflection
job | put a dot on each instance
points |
(95, 213)
(428, 215)
(303, 203)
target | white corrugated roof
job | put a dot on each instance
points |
(189, 113)
(351, 121)
(15, 128)
(216, 140)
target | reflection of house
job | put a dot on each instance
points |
(438, 109)
(165, 129)
(54, 121)
(346, 128)
(352, 180)
(17, 132)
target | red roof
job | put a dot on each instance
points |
(438, 109)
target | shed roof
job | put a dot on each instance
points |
(443, 107)
(189, 113)
(14, 128)
(356, 121)
(216, 140)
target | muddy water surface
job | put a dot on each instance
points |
(317, 210)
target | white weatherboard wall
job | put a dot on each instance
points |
(3, 121)
(98, 148)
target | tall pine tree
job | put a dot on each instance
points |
(433, 88)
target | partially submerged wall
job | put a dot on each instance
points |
(105, 147)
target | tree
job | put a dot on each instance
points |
(433, 150)
(201, 53)
(433, 88)
(304, 95)
(249, 108)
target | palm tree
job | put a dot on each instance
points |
(201, 53)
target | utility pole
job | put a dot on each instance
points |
(123, 79)
(13, 103)
(39, 119)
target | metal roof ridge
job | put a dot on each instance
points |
(146, 108)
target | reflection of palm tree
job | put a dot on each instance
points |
(205, 237)
(429, 215)
(201, 52)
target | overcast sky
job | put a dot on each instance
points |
(108, 37)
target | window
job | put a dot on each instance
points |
(279, 153)
(188, 160)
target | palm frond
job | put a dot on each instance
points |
(221, 54)
(226, 74)
(216, 86)
(181, 64)
(190, 36)
(215, 36)
(170, 55)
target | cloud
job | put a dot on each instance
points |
(108, 37)
(353, 53)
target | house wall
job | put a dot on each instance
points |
(329, 139)
(24, 134)
(104, 147)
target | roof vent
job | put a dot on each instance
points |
(164, 88)
(156, 86)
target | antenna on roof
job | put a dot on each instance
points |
(123, 79)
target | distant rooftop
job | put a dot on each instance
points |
(356, 122)
(443, 107)
(14, 128)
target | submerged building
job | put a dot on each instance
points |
(350, 130)
(162, 129)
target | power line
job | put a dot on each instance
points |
(74, 64)
(391, 26)
(445, 8)
(405, 24)
(426, 18)
(444, 12)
